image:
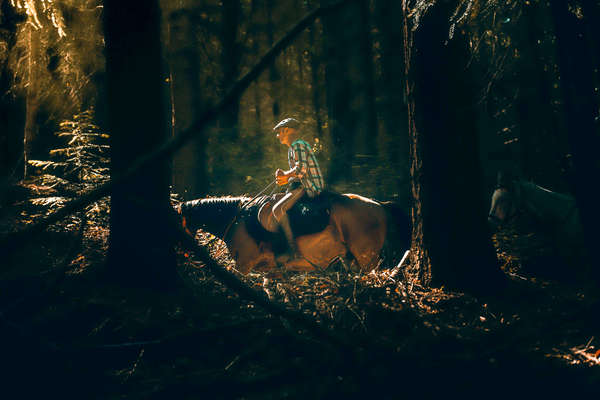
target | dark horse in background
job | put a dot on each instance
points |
(332, 226)
(554, 213)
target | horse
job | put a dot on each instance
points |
(554, 213)
(330, 227)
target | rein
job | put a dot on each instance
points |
(234, 219)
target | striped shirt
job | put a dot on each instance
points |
(300, 155)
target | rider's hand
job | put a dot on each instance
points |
(279, 172)
(282, 180)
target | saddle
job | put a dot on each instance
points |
(308, 215)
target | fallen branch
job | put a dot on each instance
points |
(259, 298)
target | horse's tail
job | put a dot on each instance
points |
(399, 232)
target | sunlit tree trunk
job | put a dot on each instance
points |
(581, 108)
(31, 97)
(450, 235)
(189, 164)
(140, 247)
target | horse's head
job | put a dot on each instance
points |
(232, 219)
(504, 205)
(213, 214)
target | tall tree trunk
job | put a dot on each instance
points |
(389, 20)
(450, 234)
(538, 122)
(31, 128)
(315, 62)
(227, 133)
(349, 85)
(11, 109)
(274, 76)
(254, 7)
(230, 64)
(368, 137)
(189, 164)
(140, 247)
(581, 108)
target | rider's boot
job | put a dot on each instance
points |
(284, 223)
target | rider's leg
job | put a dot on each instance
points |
(280, 210)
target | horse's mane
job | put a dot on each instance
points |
(212, 213)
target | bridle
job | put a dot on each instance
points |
(246, 205)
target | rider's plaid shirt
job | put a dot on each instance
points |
(301, 155)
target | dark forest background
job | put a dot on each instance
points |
(343, 77)
(419, 102)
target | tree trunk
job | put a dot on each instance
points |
(538, 122)
(254, 7)
(31, 128)
(189, 164)
(228, 121)
(450, 234)
(11, 109)
(230, 63)
(315, 62)
(389, 21)
(140, 247)
(581, 108)
(349, 86)
(274, 76)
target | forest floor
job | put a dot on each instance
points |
(67, 334)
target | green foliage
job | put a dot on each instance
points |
(84, 160)
(75, 168)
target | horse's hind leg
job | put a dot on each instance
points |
(364, 235)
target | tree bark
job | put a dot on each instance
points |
(450, 234)
(581, 109)
(140, 247)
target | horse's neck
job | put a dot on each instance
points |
(545, 204)
(213, 214)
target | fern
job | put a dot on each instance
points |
(78, 166)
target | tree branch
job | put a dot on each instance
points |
(259, 298)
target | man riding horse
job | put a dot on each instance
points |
(334, 226)
(304, 177)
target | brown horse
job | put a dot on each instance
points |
(348, 226)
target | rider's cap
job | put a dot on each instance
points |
(288, 122)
